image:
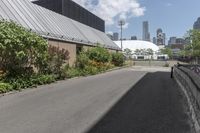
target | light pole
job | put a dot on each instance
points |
(121, 22)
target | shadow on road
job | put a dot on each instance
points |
(153, 105)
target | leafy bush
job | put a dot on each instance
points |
(73, 72)
(118, 59)
(20, 48)
(96, 60)
(82, 60)
(22, 82)
(45, 79)
(99, 54)
(90, 70)
(5, 87)
(56, 58)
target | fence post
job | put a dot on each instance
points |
(172, 71)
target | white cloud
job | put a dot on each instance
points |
(112, 10)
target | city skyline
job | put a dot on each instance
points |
(169, 15)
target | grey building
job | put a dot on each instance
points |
(133, 37)
(61, 32)
(197, 24)
(145, 34)
(115, 36)
(172, 40)
(177, 43)
(74, 11)
(180, 41)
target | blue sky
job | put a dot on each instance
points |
(175, 17)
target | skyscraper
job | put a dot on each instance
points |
(146, 34)
(160, 37)
(197, 24)
(115, 36)
(154, 40)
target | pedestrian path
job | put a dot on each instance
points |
(154, 105)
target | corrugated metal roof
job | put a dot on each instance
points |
(52, 25)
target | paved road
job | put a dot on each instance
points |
(122, 101)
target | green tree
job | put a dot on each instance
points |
(167, 51)
(20, 49)
(194, 45)
(137, 51)
(149, 51)
(128, 53)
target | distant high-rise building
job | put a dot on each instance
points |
(149, 37)
(197, 24)
(160, 37)
(177, 43)
(110, 36)
(134, 38)
(180, 41)
(154, 40)
(146, 34)
(172, 40)
(115, 36)
(164, 38)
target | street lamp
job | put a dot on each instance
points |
(121, 23)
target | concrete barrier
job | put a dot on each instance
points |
(190, 80)
(190, 83)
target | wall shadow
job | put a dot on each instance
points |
(153, 105)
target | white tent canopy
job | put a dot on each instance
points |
(137, 44)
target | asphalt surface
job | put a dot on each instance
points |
(122, 101)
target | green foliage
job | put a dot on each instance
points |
(22, 82)
(20, 48)
(90, 70)
(128, 53)
(194, 46)
(93, 61)
(149, 51)
(27, 61)
(82, 59)
(5, 87)
(117, 59)
(56, 58)
(99, 54)
(138, 52)
(182, 53)
(70, 72)
(167, 51)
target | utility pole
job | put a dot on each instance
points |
(121, 23)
